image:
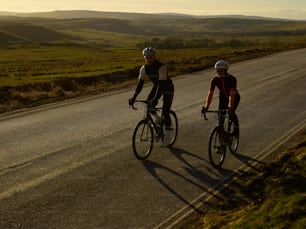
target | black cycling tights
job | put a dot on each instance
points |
(167, 102)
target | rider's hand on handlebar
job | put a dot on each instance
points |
(132, 101)
(204, 109)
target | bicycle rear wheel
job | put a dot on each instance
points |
(216, 148)
(234, 138)
(143, 140)
(174, 128)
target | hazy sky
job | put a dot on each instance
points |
(292, 9)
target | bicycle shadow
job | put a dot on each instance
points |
(152, 167)
(248, 161)
(201, 178)
(228, 175)
(180, 153)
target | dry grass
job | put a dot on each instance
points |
(274, 197)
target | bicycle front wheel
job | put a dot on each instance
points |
(174, 128)
(143, 140)
(234, 138)
(216, 148)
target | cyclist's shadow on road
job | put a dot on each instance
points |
(248, 161)
(198, 177)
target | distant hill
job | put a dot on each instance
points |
(91, 26)
(70, 14)
(7, 38)
(12, 32)
(101, 24)
(30, 32)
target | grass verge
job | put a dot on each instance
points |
(272, 197)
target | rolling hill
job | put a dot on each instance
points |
(12, 32)
(80, 26)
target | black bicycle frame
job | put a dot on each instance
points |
(158, 128)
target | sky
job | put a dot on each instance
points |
(289, 9)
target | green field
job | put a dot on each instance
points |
(38, 50)
(37, 63)
(45, 59)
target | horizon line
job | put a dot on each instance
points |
(157, 13)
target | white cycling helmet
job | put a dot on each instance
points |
(221, 64)
(149, 51)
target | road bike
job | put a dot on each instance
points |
(222, 136)
(147, 131)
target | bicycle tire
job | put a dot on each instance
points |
(143, 140)
(216, 148)
(234, 142)
(174, 128)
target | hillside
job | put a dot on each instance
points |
(7, 38)
(79, 50)
(55, 26)
(73, 14)
(69, 14)
(100, 24)
(18, 32)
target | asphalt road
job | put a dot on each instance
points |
(71, 165)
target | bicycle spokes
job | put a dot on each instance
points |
(226, 134)
(143, 140)
(144, 134)
(146, 131)
(173, 128)
(217, 147)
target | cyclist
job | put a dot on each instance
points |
(156, 71)
(228, 94)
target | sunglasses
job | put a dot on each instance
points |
(149, 57)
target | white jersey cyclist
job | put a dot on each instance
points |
(157, 73)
